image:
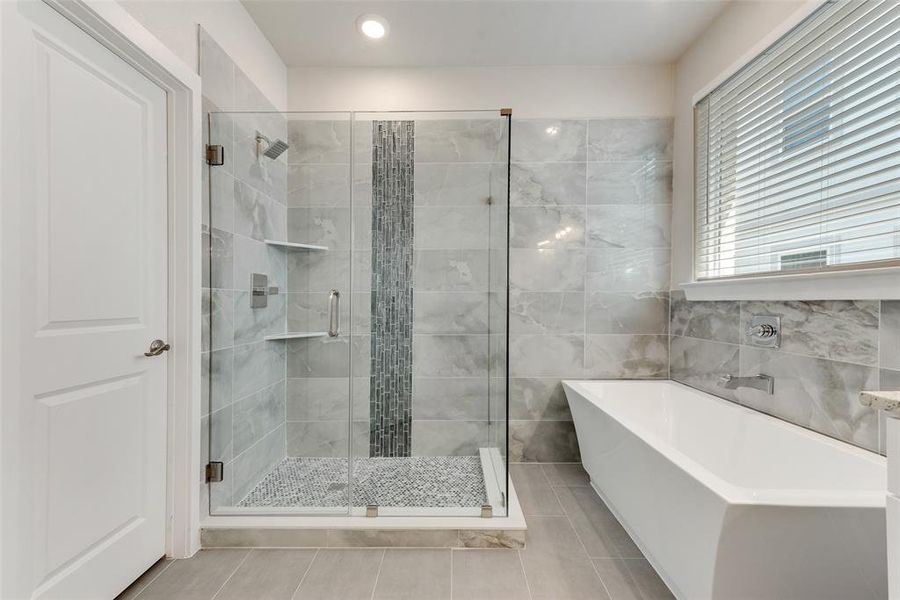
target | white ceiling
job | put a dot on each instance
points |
(484, 33)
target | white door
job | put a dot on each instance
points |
(84, 292)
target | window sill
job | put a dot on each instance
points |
(859, 284)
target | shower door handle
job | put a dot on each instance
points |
(334, 313)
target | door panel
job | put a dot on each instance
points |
(85, 242)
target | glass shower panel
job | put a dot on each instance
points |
(430, 235)
(278, 303)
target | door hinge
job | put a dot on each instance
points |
(214, 472)
(215, 155)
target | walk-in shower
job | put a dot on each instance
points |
(357, 300)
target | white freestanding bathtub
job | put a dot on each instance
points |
(726, 502)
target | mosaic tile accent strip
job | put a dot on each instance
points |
(426, 481)
(390, 396)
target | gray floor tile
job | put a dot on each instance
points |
(554, 577)
(566, 474)
(488, 575)
(348, 574)
(553, 535)
(533, 489)
(600, 532)
(144, 580)
(651, 585)
(631, 579)
(268, 575)
(618, 581)
(195, 578)
(408, 574)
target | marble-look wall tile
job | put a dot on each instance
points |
(538, 399)
(548, 184)
(617, 269)
(321, 439)
(221, 259)
(546, 356)
(630, 139)
(321, 225)
(450, 399)
(718, 321)
(257, 366)
(451, 227)
(626, 357)
(258, 216)
(627, 312)
(251, 466)
(544, 228)
(700, 363)
(450, 312)
(319, 357)
(222, 189)
(252, 256)
(630, 182)
(220, 304)
(546, 312)
(819, 394)
(844, 330)
(451, 270)
(453, 184)
(253, 324)
(257, 415)
(221, 442)
(549, 140)
(629, 226)
(318, 185)
(448, 438)
(459, 140)
(889, 334)
(265, 174)
(318, 141)
(450, 355)
(543, 441)
(221, 376)
(546, 270)
(318, 399)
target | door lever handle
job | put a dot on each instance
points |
(157, 347)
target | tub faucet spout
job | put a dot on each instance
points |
(764, 383)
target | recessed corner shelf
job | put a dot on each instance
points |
(295, 336)
(295, 246)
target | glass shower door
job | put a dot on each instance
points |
(278, 312)
(430, 214)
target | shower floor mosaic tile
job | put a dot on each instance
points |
(425, 481)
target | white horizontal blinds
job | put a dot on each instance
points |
(798, 154)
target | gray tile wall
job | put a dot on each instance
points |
(589, 274)
(830, 351)
(244, 376)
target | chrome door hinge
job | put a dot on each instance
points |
(215, 155)
(214, 472)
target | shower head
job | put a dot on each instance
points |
(268, 148)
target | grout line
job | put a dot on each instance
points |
(378, 574)
(524, 575)
(305, 573)
(169, 563)
(227, 579)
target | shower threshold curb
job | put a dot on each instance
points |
(259, 531)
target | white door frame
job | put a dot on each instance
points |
(118, 31)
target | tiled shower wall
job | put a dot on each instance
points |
(830, 351)
(451, 343)
(589, 278)
(244, 376)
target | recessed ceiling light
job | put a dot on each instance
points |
(372, 26)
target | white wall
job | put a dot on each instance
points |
(561, 92)
(175, 24)
(728, 40)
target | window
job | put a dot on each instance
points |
(798, 153)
